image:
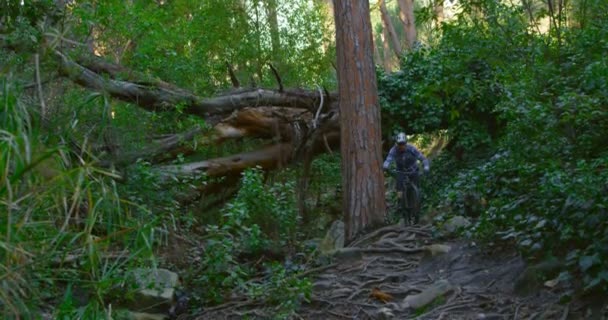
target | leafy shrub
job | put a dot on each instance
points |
(546, 209)
(544, 188)
(272, 208)
(260, 218)
(283, 289)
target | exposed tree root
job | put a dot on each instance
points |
(383, 261)
(394, 250)
(317, 270)
(374, 234)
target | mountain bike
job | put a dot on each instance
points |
(408, 196)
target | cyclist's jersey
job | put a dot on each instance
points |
(405, 160)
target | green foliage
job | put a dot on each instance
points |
(14, 14)
(185, 43)
(188, 43)
(62, 223)
(220, 270)
(456, 84)
(283, 289)
(545, 187)
(271, 207)
(260, 218)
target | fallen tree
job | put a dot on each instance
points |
(157, 95)
(296, 124)
(297, 121)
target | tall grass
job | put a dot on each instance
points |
(66, 236)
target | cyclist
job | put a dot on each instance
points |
(406, 157)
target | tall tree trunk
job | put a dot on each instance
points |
(377, 58)
(260, 52)
(390, 28)
(362, 179)
(386, 62)
(273, 21)
(439, 15)
(327, 8)
(406, 13)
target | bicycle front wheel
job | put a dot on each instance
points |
(414, 200)
(404, 208)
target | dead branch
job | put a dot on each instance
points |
(390, 235)
(159, 96)
(160, 150)
(276, 75)
(328, 96)
(233, 78)
(316, 270)
(268, 158)
(262, 122)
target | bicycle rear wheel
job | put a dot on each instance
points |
(413, 196)
(404, 209)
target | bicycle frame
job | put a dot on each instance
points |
(404, 207)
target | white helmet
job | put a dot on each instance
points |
(401, 138)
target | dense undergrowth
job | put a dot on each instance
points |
(64, 226)
(540, 179)
(257, 233)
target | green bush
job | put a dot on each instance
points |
(260, 218)
(283, 289)
(456, 84)
(544, 188)
(272, 208)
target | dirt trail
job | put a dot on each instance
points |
(399, 261)
(481, 285)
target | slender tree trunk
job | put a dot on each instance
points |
(327, 8)
(386, 62)
(260, 52)
(390, 28)
(406, 14)
(273, 21)
(439, 15)
(362, 179)
(377, 58)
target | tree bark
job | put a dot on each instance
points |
(406, 14)
(386, 53)
(377, 58)
(305, 120)
(362, 178)
(153, 96)
(439, 13)
(273, 21)
(269, 157)
(390, 29)
(163, 149)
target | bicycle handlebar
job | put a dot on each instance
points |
(409, 172)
